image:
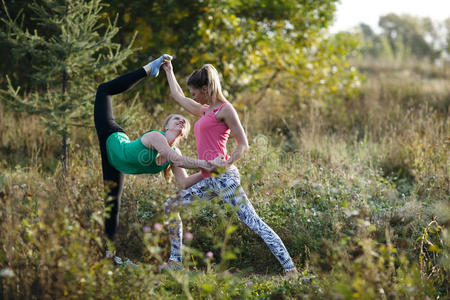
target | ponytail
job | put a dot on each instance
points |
(208, 76)
(168, 173)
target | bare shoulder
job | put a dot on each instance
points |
(228, 107)
(226, 112)
(150, 138)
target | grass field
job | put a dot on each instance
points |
(358, 190)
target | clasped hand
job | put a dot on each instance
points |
(167, 65)
(216, 164)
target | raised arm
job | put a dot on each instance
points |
(190, 105)
(155, 140)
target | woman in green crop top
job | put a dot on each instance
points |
(151, 153)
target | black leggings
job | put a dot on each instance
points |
(105, 126)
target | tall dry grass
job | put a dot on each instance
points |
(358, 190)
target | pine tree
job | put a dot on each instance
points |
(71, 50)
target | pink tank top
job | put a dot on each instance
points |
(211, 137)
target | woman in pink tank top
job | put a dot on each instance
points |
(218, 119)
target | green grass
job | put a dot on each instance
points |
(358, 191)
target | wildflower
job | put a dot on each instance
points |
(209, 254)
(267, 203)
(23, 185)
(249, 283)
(157, 226)
(320, 169)
(188, 236)
(146, 229)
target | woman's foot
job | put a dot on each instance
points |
(152, 68)
(291, 274)
(171, 265)
(117, 260)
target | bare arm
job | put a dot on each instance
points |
(155, 140)
(190, 105)
(230, 117)
(183, 179)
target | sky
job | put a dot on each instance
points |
(350, 13)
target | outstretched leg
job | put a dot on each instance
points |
(105, 126)
(232, 193)
(103, 112)
(200, 190)
(249, 217)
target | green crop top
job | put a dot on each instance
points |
(132, 157)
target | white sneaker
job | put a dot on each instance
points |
(119, 261)
(129, 263)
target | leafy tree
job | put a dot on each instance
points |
(163, 27)
(403, 36)
(371, 41)
(447, 29)
(69, 49)
(257, 45)
(412, 32)
(10, 64)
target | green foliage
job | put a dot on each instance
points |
(330, 204)
(261, 48)
(412, 33)
(355, 184)
(263, 45)
(365, 269)
(70, 50)
(405, 37)
(431, 246)
(258, 46)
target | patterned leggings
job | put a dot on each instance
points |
(228, 186)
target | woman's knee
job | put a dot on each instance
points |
(102, 88)
(247, 214)
(170, 205)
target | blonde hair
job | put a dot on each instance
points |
(208, 76)
(168, 173)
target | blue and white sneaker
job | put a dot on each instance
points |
(156, 64)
